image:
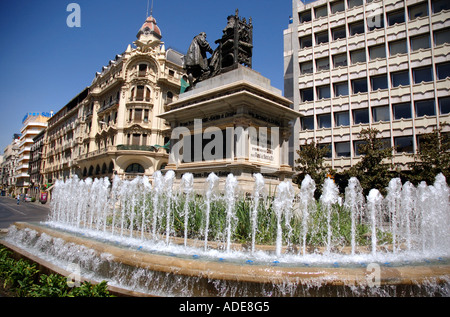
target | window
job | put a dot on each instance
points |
(358, 56)
(359, 85)
(402, 111)
(307, 123)
(320, 11)
(142, 70)
(420, 42)
(323, 92)
(418, 10)
(439, 5)
(324, 120)
(377, 51)
(323, 64)
(306, 67)
(423, 74)
(337, 6)
(397, 47)
(444, 105)
(380, 113)
(304, 16)
(395, 17)
(342, 149)
(375, 22)
(140, 93)
(305, 41)
(379, 82)
(357, 145)
(307, 94)
(400, 79)
(137, 115)
(441, 37)
(340, 60)
(328, 146)
(338, 33)
(425, 108)
(404, 144)
(136, 140)
(354, 3)
(322, 37)
(361, 116)
(342, 119)
(356, 28)
(135, 168)
(341, 89)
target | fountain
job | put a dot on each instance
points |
(145, 235)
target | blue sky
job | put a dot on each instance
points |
(44, 63)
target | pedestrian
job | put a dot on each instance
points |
(18, 198)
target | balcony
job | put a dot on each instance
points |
(109, 105)
(147, 148)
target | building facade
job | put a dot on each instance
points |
(34, 169)
(355, 64)
(62, 142)
(10, 155)
(33, 124)
(120, 132)
(111, 127)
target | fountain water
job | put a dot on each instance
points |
(257, 192)
(187, 183)
(283, 206)
(374, 201)
(168, 186)
(139, 214)
(307, 203)
(354, 201)
(230, 195)
(329, 197)
(212, 182)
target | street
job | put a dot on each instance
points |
(10, 212)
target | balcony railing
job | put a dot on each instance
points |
(147, 148)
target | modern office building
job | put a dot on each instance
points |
(33, 124)
(355, 64)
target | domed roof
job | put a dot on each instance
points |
(150, 27)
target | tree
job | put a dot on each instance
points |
(432, 158)
(311, 162)
(372, 171)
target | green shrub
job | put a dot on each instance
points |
(21, 278)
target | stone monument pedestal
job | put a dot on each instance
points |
(236, 123)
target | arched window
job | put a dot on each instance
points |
(91, 170)
(169, 97)
(97, 170)
(135, 168)
(85, 172)
(104, 168)
(111, 167)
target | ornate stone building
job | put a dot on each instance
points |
(112, 128)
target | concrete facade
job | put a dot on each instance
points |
(355, 64)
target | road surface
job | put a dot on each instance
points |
(10, 212)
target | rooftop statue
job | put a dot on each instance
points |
(234, 48)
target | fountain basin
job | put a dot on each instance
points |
(146, 272)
